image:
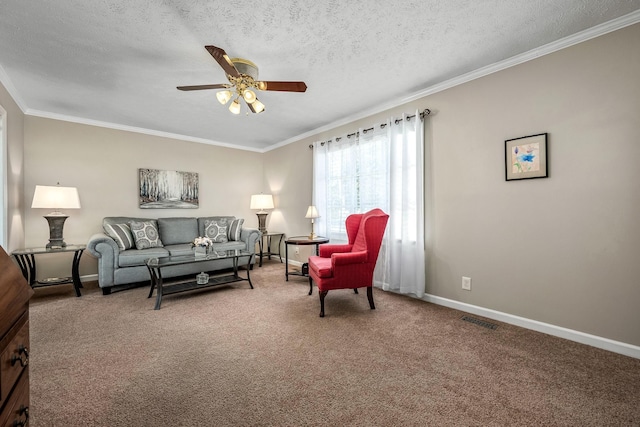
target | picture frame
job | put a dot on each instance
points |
(162, 189)
(526, 157)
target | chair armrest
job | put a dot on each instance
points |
(328, 249)
(349, 258)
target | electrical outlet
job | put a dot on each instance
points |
(466, 283)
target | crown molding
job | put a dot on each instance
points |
(108, 125)
(582, 36)
(13, 92)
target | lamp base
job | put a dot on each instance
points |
(56, 224)
(262, 219)
(312, 235)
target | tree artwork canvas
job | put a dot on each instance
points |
(161, 189)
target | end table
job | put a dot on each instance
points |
(27, 262)
(300, 240)
(268, 253)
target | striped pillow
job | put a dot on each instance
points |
(121, 233)
(235, 229)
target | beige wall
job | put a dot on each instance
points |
(103, 164)
(562, 250)
(15, 171)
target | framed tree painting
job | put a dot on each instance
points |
(160, 189)
(526, 157)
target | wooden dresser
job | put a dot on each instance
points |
(14, 344)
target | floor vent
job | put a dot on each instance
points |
(479, 322)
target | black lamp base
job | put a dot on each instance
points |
(262, 219)
(56, 224)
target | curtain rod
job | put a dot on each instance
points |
(422, 114)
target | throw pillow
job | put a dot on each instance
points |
(235, 229)
(216, 230)
(121, 233)
(145, 234)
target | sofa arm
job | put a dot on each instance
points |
(250, 237)
(107, 251)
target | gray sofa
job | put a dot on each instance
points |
(121, 260)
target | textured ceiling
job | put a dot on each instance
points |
(118, 62)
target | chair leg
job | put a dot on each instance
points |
(355, 290)
(310, 285)
(370, 297)
(322, 295)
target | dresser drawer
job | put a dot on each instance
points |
(14, 357)
(16, 412)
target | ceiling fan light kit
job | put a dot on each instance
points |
(235, 107)
(224, 96)
(243, 76)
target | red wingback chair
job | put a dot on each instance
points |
(350, 266)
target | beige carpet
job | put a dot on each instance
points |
(233, 356)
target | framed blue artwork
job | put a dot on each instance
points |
(526, 157)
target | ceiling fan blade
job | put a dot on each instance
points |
(283, 86)
(222, 58)
(202, 87)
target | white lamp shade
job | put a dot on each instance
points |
(262, 201)
(249, 96)
(235, 107)
(258, 106)
(312, 212)
(54, 197)
(224, 96)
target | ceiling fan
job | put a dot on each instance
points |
(243, 78)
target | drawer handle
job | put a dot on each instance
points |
(23, 362)
(24, 410)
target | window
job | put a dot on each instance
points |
(380, 167)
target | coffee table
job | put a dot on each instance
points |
(155, 266)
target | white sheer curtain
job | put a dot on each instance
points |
(380, 167)
(403, 247)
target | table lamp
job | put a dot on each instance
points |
(262, 202)
(312, 213)
(55, 197)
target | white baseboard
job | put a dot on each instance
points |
(558, 331)
(89, 278)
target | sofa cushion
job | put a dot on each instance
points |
(322, 266)
(227, 246)
(235, 229)
(145, 234)
(121, 233)
(180, 249)
(175, 231)
(216, 229)
(133, 257)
